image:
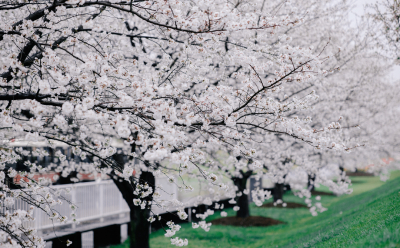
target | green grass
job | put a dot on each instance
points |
(369, 217)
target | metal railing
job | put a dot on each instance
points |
(94, 201)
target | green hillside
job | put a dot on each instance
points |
(370, 217)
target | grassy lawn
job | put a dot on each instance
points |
(370, 217)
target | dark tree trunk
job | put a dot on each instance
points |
(243, 200)
(139, 226)
(311, 183)
(278, 191)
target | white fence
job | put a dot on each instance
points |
(94, 201)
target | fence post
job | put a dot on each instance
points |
(73, 200)
(121, 214)
(38, 219)
(101, 199)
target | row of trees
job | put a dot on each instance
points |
(204, 89)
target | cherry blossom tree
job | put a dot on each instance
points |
(171, 80)
(324, 26)
(387, 15)
(357, 95)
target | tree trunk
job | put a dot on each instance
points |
(243, 200)
(139, 233)
(140, 226)
(278, 191)
(311, 183)
(139, 230)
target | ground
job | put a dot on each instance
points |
(369, 217)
